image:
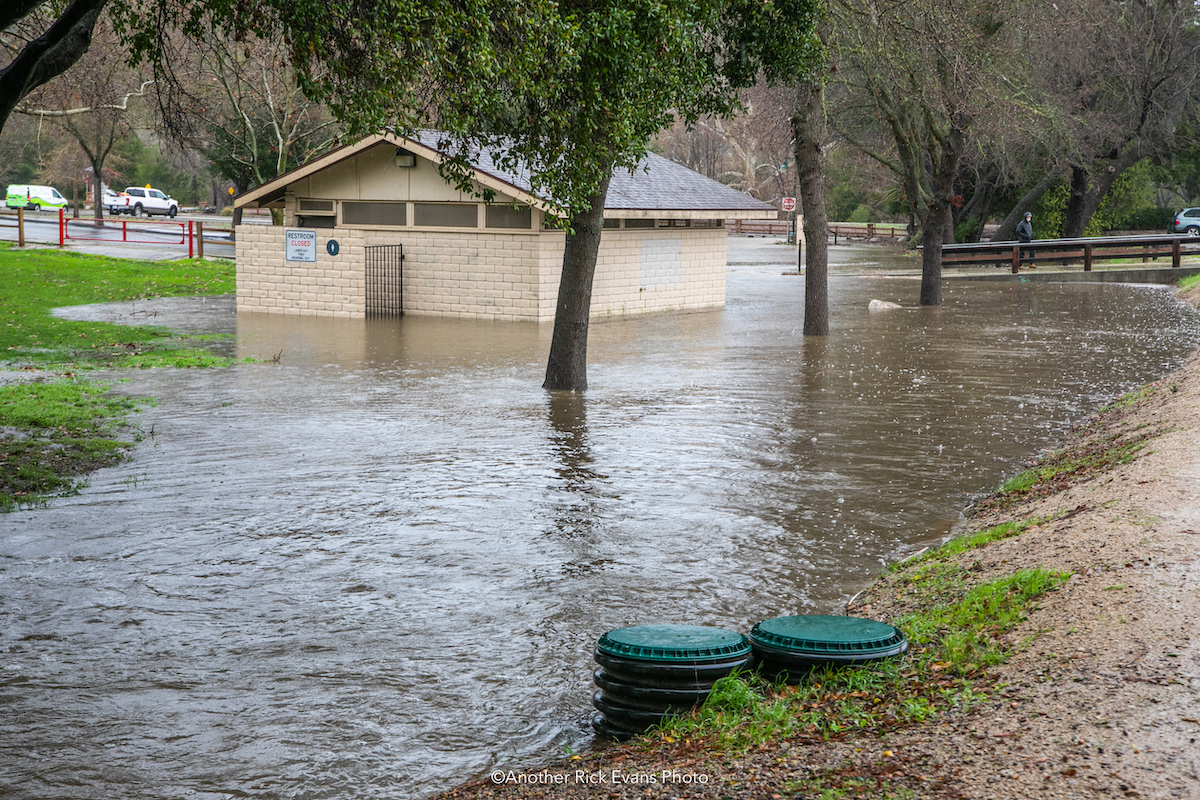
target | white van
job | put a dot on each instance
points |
(34, 197)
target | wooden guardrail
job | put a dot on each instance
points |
(837, 230)
(1084, 251)
(762, 227)
(867, 230)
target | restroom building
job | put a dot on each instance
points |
(372, 229)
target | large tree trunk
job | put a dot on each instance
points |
(932, 233)
(1088, 191)
(808, 125)
(566, 369)
(98, 189)
(938, 214)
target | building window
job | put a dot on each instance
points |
(611, 223)
(639, 223)
(317, 206)
(317, 222)
(358, 213)
(508, 217)
(447, 215)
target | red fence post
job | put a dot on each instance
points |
(20, 227)
(191, 239)
(62, 228)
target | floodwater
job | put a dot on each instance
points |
(374, 563)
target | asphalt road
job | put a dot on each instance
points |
(154, 239)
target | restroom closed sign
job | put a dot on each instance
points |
(300, 245)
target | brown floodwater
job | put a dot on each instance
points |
(374, 562)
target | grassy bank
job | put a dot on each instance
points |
(56, 426)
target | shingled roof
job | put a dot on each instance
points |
(657, 184)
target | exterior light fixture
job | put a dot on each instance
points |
(405, 158)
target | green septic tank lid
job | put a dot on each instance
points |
(821, 635)
(674, 643)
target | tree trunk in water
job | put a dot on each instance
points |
(808, 125)
(931, 255)
(566, 369)
(937, 213)
(1007, 231)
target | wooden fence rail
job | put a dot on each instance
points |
(1073, 251)
(837, 230)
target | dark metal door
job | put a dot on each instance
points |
(385, 280)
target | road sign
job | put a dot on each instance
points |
(789, 204)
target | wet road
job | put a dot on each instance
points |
(375, 562)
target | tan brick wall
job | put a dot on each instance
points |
(484, 274)
(629, 275)
(333, 286)
(473, 274)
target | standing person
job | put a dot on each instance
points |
(1025, 236)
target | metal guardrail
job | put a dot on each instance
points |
(1086, 251)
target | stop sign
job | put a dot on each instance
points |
(789, 204)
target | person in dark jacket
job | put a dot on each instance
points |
(1025, 236)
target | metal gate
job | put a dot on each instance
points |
(385, 280)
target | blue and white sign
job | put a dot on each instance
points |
(332, 247)
(300, 245)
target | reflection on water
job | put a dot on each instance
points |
(378, 565)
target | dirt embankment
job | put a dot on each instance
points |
(1099, 698)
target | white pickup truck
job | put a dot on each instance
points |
(139, 200)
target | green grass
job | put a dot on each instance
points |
(1189, 281)
(1056, 470)
(57, 431)
(958, 633)
(57, 428)
(37, 281)
(970, 541)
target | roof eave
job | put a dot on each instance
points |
(256, 197)
(691, 213)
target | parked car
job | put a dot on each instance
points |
(34, 197)
(1187, 221)
(138, 200)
